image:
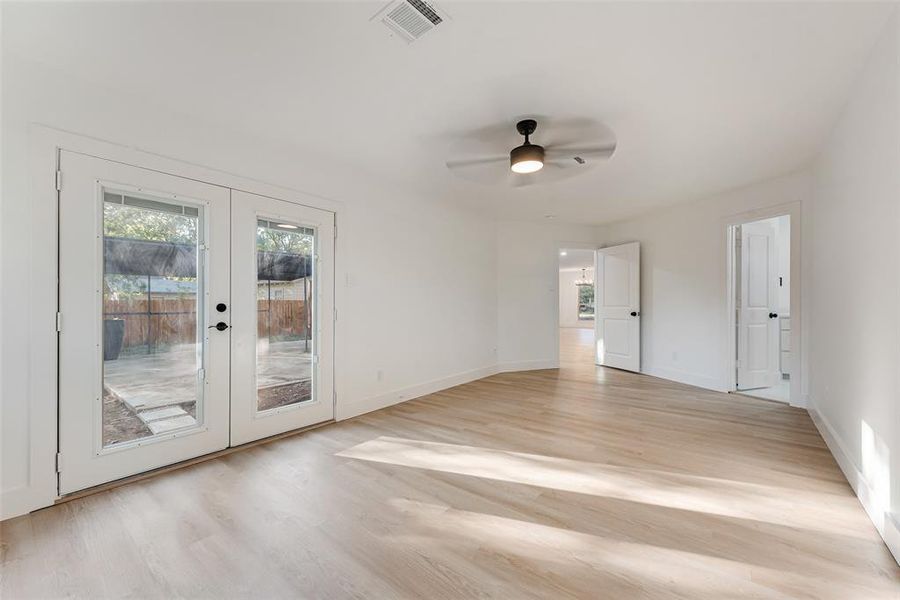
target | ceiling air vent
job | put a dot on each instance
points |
(409, 19)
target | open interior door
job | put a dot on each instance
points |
(757, 321)
(618, 307)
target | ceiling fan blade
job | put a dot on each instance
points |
(557, 153)
(476, 162)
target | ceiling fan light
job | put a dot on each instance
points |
(526, 158)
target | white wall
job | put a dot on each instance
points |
(568, 299)
(854, 356)
(683, 278)
(527, 289)
(419, 298)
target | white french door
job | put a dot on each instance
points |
(163, 352)
(617, 301)
(758, 327)
(282, 295)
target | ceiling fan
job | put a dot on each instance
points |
(555, 160)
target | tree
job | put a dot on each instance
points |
(142, 224)
(293, 241)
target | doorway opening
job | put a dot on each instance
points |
(761, 297)
(576, 307)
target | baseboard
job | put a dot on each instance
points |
(885, 522)
(359, 407)
(891, 535)
(701, 381)
(526, 365)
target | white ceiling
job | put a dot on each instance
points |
(576, 259)
(701, 97)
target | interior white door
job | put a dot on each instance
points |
(282, 315)
(143, 381)
(757, 321)
(618, 307)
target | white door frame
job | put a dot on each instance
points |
(40, 487)
(798, 371)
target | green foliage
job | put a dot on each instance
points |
(276, 240)
(142, 224)
(585, 302)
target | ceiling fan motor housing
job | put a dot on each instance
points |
(528, 157)
(526, 152)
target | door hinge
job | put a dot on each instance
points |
(335, 231)
(335, 314)
(58, 180)
(315, 359)
(59, 462)
(58, 322)
(201, 375)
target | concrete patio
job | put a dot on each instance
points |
(161, 388)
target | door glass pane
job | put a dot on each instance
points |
(152, 346)
(284, 293)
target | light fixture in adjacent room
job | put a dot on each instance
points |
(563, 253)
(584, 279)
(527, 158)
(286, 226)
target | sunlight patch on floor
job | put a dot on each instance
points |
(624, 568)
(674, 490)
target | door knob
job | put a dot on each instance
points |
(773, 315)
(221, 326)
(634, 313)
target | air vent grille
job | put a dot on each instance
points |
(410, 19)
(426, 11)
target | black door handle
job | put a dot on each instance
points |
(773, 315)
(221, 326)
(634, 313)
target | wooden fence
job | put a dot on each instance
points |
(162, 322)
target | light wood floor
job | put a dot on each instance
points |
(578, 483)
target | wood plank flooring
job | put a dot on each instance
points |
(580, 482)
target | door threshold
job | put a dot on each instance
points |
(103, 487)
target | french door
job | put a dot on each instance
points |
(192, 318)
(282, 290)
